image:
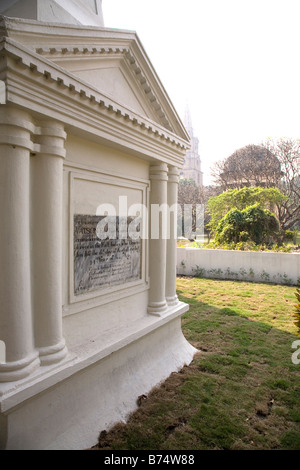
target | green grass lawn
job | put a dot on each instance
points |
(242, 390)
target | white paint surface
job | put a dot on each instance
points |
(76, 364)
(282, 268)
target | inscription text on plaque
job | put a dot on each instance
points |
(101, 263)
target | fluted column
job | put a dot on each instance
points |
(173, 177)
(157, 242)
(16, 322)
(47, 201)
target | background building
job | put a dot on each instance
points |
(192, 162)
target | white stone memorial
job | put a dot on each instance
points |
(90, 147)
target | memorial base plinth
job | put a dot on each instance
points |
(66, 406)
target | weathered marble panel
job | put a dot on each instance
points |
(104, 262)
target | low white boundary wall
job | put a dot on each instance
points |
(280, 268)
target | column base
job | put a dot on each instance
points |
(82, 397)
(17, 370)
(171, 301)
(53, 354)
(157, 308)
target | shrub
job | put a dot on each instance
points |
(290, 236)
(297, 309)
(250, 224)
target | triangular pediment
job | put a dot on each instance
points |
(111, 75)
(121, 73)
(111, 61)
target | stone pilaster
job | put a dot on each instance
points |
(173, 178)
(47, 202)
(157, 243)
(16, 322)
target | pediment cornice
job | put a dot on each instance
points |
(126, 60)
(35, 81)
(58, 43)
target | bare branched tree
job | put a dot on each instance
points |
(191, 194)
(274, 163)
(253, 165)
(288, 153)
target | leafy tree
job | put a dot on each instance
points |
(219, 206)
(250, 224)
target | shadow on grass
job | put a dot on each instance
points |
(261, 384)
(241, 391)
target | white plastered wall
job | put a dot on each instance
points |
(93, 175)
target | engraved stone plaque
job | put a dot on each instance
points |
(111, 259)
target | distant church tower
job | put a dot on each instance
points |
(192, 162)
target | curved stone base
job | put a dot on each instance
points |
(96, 395)
(53, 354)
(172, 301)
(18, 370)
(157, 308)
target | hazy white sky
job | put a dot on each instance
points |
(235, 62)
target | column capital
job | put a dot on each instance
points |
(159, 172)
(16, 128)
(50, 139)
(51, 128)
(173, 174)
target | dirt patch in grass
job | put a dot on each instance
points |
(241, 391)
(160, 401)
